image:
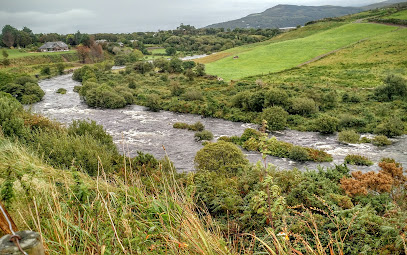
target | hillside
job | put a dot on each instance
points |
(382, 4)
(279, 55)
(286, 16)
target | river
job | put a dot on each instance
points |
(136, 129)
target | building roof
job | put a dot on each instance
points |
(51, 45)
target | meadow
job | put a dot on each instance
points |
(16, 53)
(398, 15)
(282, 55)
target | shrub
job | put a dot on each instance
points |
(180, 125)
(298, 153)
(46, 70)
(153, 103)
(350, 121)
(303, 106)
(276, 117)
(220, 156)
(394, 87)
(192, 95)
(61, 91)
(326, 124)
(250, 133)
(390, 127)
(203, 135)
(358, 160)
(275, 97)
(381, 140)
(104, 97)
(60, 68)
(348, 136)
(83, 127)
(198, 126)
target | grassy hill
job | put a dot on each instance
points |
(287, 16)
(280, 55)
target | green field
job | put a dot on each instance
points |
(399, 15)
(362, 65)
(278, 56)
(15, 53)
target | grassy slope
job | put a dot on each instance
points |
(361, 65)
(15, 53)
(399, 15)
(274, 57)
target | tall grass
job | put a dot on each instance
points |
(108, 214)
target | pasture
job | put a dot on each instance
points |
(282, 55)
(16, 53)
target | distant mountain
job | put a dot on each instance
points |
(382, 4)
(287, 16)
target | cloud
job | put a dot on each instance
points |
(41, 22)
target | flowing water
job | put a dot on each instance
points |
(136, 129)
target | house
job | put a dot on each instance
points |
(54, 46)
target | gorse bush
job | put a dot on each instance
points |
(348, 136)
(25, 89)
(303, 106)
(326, 124)
(394, 87)
(203, 135)
(381, 140)
(358, 160)
(390, 127)
(220, 156)
(276, 118)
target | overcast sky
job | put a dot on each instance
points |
(117, 16)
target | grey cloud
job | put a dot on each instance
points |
(91, 16)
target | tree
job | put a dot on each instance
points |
(96, 52)
(9, 35)
(220, 156)
(171, 51)
(70, 39)
(83, 53)
(24, 39)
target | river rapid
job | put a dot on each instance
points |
(135, 129)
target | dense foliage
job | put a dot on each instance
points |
(24, 88)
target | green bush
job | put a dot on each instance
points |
(275, 97)
(326, 124)
(394, 87)
(193, 95)
(298, 153)
(104, 96)
(303, 106)
(351, 121)
(180, 125)
(381, 140)
(25, 89)
(220, 156)
(203, 135)
(197, 126)
(46, 70)
(250, 133)
(348, 136)
(60, 68)
(358, 160)
(153, 103)
(276, 118)
(390, 127)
